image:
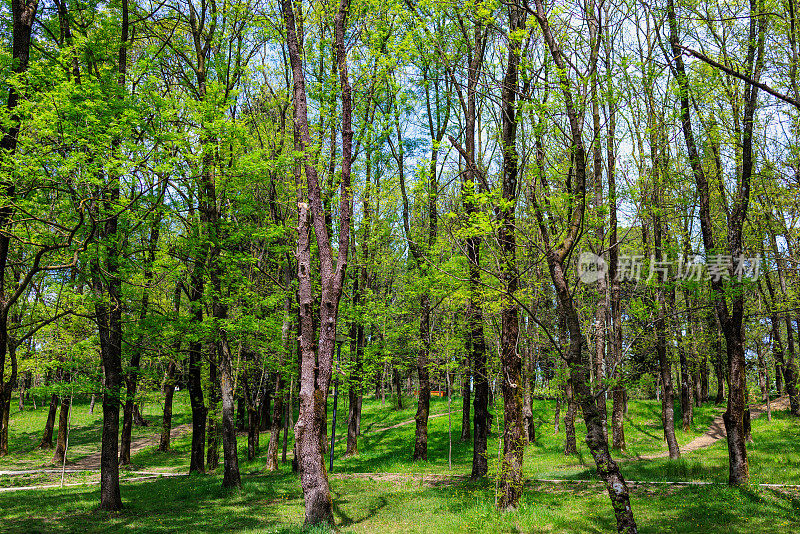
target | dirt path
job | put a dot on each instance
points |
(717, 429)
(92, 462)
(408, 422)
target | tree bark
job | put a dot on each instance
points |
(214, 432)
(23, 13)
(476, 343)
(687, 412)
(424, 397)
(790, 366)
(169, 393)
(618, 389)
(317, 369)
(63, 419)
(607, 469)
(730, 317)
(511, 477)
(47, 437)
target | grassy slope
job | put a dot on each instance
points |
(273, 502)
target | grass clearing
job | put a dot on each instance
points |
(400, 499)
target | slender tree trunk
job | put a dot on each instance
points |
(686, 385)
(127, 416)
(557, 417)
(790, 367)
(602, 285)
(288, 419)
(716, 351)
(763, 377)
(47, 437)
(607, 469)
(424, 399)
(169, 377)
(63, 418)
(356, 376)
(214, 428)
(317, 369)
(618, 388)
(511, 477)
(476, 344)
(279, 410)
(231, 477)
(528, 428)
(730, 316)
(570, 444)
(658, 147)
(275, 430)
(398, 390)
(667, 397)
(23, 13)
(169, 393)
(466, 401)
(6, 390)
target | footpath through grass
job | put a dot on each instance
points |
(396, 500)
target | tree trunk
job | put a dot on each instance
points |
(288, 419)
(424, 399)
(132, 374)
(231, 477)
(730, 316)
(599, 386)
(214, 428)
(763, 377)
(127, 421)
(667, 397)
(715, 347)
(528, 426)
(317, 369)
(169, 377)
(570, 444)
(354, 393)
(686, 385)
(466, 400)
(166, 420)
(659, 176)
(607, 469)
(63, 422)
(398, 390)
(47, 437)
(199, 410)
(476, 342)
(790, 368)
(511, 477)
(618, 389)
(23, 13)
(275, 430)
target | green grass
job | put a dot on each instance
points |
(26, 428)
(397, 502)
(274, 503)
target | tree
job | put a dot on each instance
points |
(310, 429)
(730, 317)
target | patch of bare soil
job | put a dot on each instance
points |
(716, 430)
(93, 461)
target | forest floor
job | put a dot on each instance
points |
(383, 490)
(92, 461)
(716, 430)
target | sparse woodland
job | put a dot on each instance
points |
(508, 234)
